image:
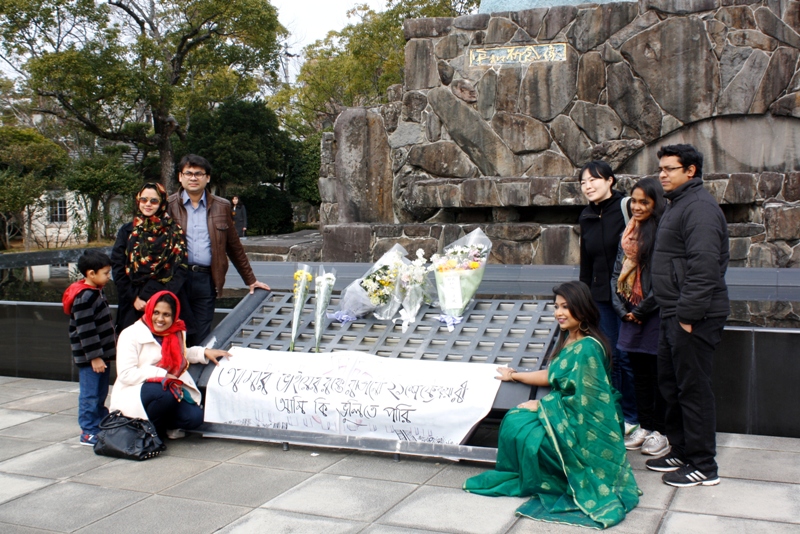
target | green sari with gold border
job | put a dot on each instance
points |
(568, 455)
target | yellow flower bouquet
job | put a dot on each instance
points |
(302, 279)
(459, 271)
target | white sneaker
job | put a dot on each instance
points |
(176, 434)
(635, 439)
(630, 428)
(656, 444)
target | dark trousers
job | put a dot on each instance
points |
(649, 402)
(166, 412)
(92, 397)
(621, 373)
(202, 298)
(685, 365)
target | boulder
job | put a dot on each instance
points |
(669, 124)
(521, 133)
(420, 67)
(600, 123)
(782, 221)
(615, 153)
(473, 135)
(433, 127)
(452, 45)
(407, 133)
(507, 91)
(630, 98)
(739, 247)
(363, 167)
(346, 243)
(595, 25)
(731, 62)
(521, 37)
(472, 22)
(413, 104)
(680, 7)
(394, 93)
(741, 189)
(556, 20)
(399, 156)
(642, 22)
(718, 33)
(677, 46)
(413, 203)
(426, 27)
(738, 95)
(479, 192)
(464, 90)
(500, 31)
(548, 163)
(544, 190)
(571, 140)
(391, 115)
(487, 94)
(791, 187)
(446, 71)
(776, 78)
(769, 185)
(548, 87)
(754, 39)
(442, 158)
(530, 20)
(737, 17)
(569, 194)
(591, 77)
(788, 106)
(775, 27)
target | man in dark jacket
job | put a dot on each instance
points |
(688, 276)
(210, 239)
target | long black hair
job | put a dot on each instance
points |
(647, 230)
(583, 309)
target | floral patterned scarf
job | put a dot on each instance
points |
(629, 284)
(157, 244)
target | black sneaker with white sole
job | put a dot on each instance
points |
(664, 464)
(689, 475)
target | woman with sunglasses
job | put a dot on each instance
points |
(149, 255)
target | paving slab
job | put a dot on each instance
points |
(52, 428)
(453, 476)
(453, 510)
(680, 523)
(387, 529)
(261, 521)
(296, 458)
(9, 418)
(60, 460)
(384, 467)
(6, 528)
(753, 464)
(9, 394)
(342, 497)
(45, 385)
(244, 485)
(10, 379)
(656, 494)
(11, 447)
(50, 402)
(13, 486)
(167, 514)
(66, 506)
(749, 441)
(148, 476)
(769, 501)
(639, 521)
(199, 448)
(637, 460)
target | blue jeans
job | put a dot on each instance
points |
(166, 412)
(622, 372)
(92, 398)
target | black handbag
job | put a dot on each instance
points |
(126, 437)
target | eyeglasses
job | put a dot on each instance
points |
(667, 170)
(193, 174)
(153, 201)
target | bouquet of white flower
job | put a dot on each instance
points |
(324, 289)
(302, 278)
(459, 271)
(414, 283)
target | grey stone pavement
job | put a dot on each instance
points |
(50, 483)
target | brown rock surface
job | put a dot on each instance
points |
(629, 97)
(548, 87)
(442, 158)
(521, 133)
(420, 65)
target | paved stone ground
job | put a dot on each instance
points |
(50, 483)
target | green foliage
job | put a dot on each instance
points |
(130, 70)
(244, 143)
(268, 210)
(303, 180)
(26, 151)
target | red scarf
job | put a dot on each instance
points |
(72, 292)
(172, 349)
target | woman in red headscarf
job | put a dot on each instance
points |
(152, 364)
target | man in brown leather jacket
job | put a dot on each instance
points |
(210, 239)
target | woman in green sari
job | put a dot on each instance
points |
(566, 451)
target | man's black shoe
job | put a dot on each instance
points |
(668, 462)
(688, 476)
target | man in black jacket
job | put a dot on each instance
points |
(688, 276)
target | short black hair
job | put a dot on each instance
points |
(686, 154)
(92, 260)
(193, 160)
(599, 169)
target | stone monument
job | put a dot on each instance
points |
(499, 111)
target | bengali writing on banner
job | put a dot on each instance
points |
(352, 394)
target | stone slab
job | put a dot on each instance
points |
(5, 528)
(752, 441)
(746, 499)
(11, 379)
(11, 447)
(296, 458)
(144, 476)
(386, 529)
(46, 385)
(244, 485)
(413, 470)
(52, 428)
(168, 514)
(198, 448)
(60, 460)
(13, 486)
(678, 523)
(9, 418)
(67, 507)
(769, 466)
(453, 476)
(342, 497)
(9, 394)
(656, 494)
(260, 521)
(639, 521)
(454, 510)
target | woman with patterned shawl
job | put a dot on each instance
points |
(149, 256)
(566, 450)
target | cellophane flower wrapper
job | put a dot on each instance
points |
(323, 286)
(459, 271)
(383, 284)
(302, 279)
(415, 284)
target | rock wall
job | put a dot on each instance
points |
(499, 145)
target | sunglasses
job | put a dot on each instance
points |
(153, 201)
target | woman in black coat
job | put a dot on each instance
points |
(239, 214)
(602, 223)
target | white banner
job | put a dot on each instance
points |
(351, 393)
